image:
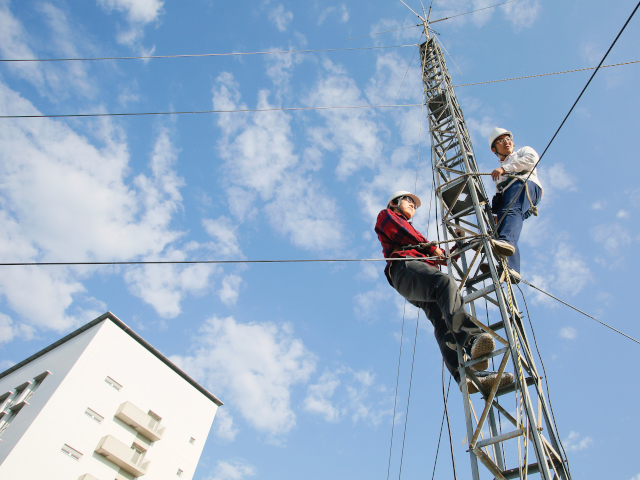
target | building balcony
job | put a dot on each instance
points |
(143, 423)
(117, 452)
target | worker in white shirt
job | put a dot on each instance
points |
(516, 168)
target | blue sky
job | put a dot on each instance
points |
(305, 356)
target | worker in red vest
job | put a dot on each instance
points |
(418, 279)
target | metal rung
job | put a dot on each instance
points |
(497, 326)
(533, 468)
(499, 438)
(479, 293)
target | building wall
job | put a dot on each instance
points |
(146, 382)
(59, 362)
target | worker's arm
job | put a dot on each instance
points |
(525, 160)
(399, 231)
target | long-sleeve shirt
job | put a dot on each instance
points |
(522, 160)
(394, 231)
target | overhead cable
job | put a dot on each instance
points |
(544, 74)
(472, 11)
(524, 182)
(240, 110)
(287, 109)
(193, 55)
(578, 310)
(198, 262)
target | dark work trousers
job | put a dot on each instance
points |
(511, 226)
(437, 294)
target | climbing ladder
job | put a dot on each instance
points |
(465, 207)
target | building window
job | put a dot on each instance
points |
(179, 473)
(192, 441)
(138, 454)
(72, 452)
(113, 383)
(96, 416)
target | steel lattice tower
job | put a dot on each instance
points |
(465, 206)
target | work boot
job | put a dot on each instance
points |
(482, 344)
(487, 380)
(503, 248)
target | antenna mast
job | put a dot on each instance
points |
(464, 206)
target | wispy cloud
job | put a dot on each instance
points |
(233, 470)
(280, 17)
(576, 442)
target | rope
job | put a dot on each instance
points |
(446, 412)
(578, 310)
(523, 384)
(567, 116)
(546, 381)
(241, 110)
(147, 57)
(222, 262)
(395, 400)
(444, 398)
(544, 74)
(406, 415)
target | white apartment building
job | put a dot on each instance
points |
(101, 404)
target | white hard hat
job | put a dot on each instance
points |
(497, 132)
(404, 193)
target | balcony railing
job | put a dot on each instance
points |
(117, 452)
(144, 424)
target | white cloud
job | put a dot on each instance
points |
(225, 428)
(235, 470)
(598, 205)
(260, 162)
(227, 245)
(622, 214)
(352, 133)
(56, 181)
(280, 17)
(612, 238)
(359, 398)
(562, 271)
(575, 442)
(139, 13)
(568, 333)
(256, 364)
(319, 395)
(54, 80)
(367, 305)
(165, 286)
(556, 178)
(230, 289)
(341, 11)
(523, 13)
